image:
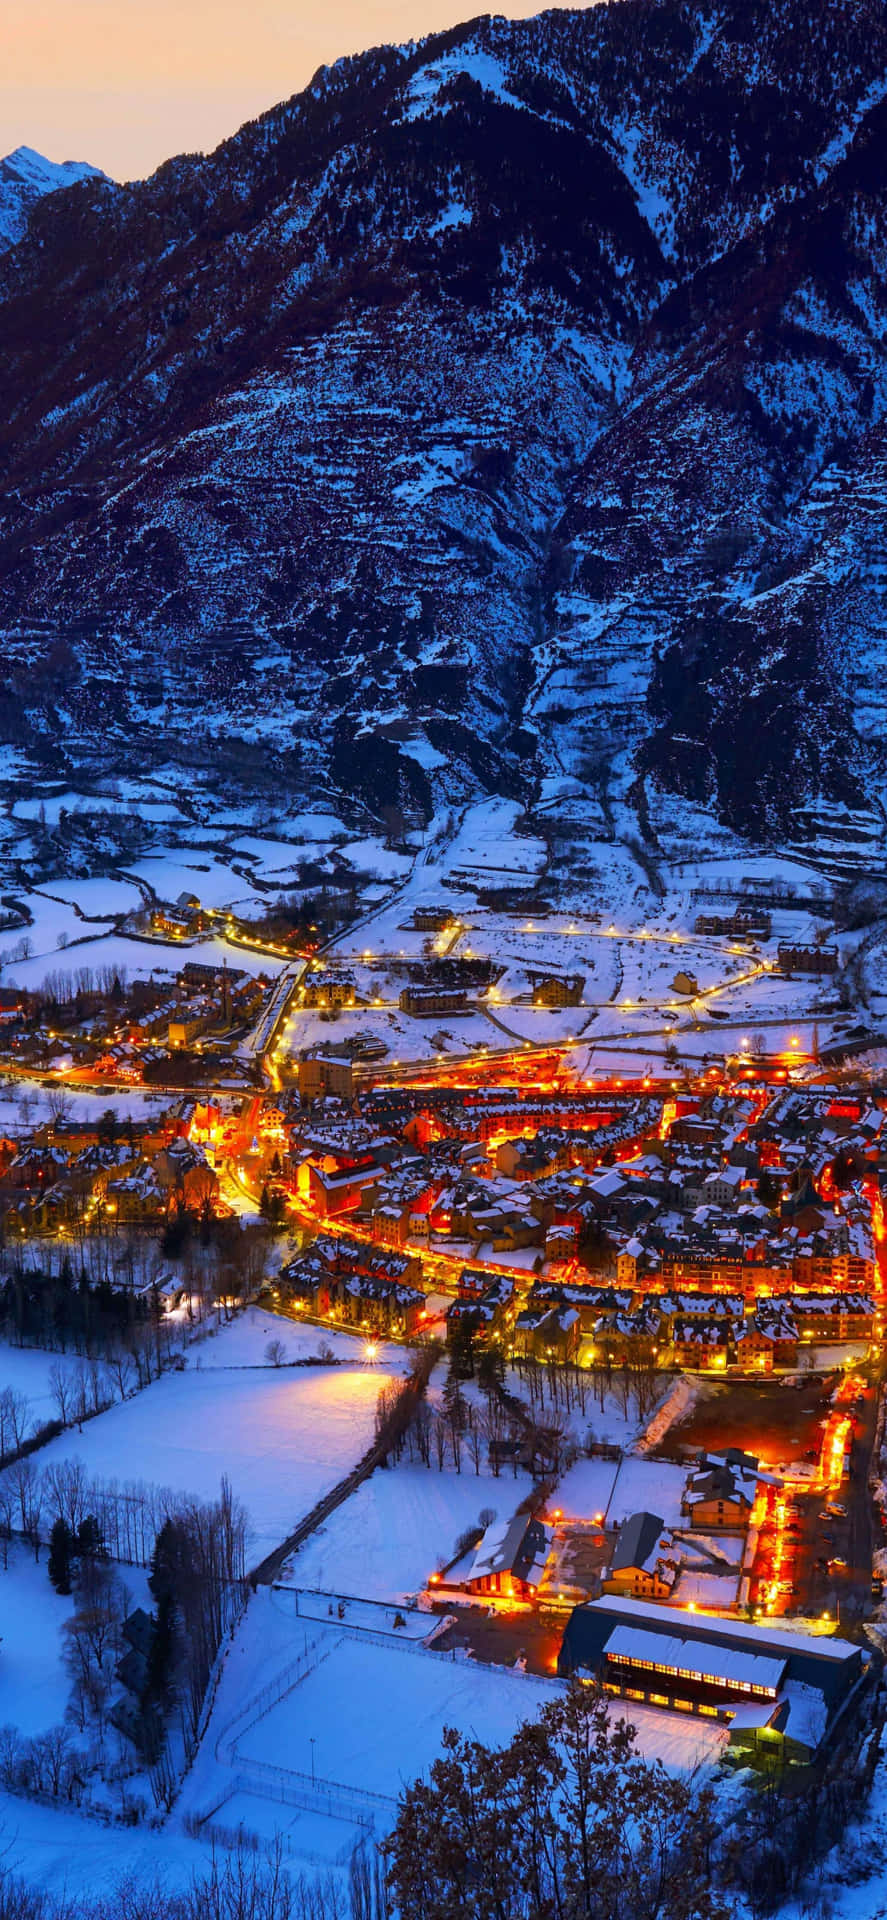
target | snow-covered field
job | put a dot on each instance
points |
(367, 1715)
(72, 1857)
(400, 1526)
(27, 1371)
(282, 1437)
(242, 1343)
(34, 1686)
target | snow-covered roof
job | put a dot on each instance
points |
(700, 1659)
(824, 1646)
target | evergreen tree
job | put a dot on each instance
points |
(61, 1546)
(160, 1654)
(90, 1541)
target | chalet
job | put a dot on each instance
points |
(640, 1564)
(551, 1334)
(797, 957)
(533, 1158)
(307, 1283)
(776, 1319)
(623, 1338)
(137, 1197)
(718, 1499)
(722, 1187)
(510, 1558)
(378, 1305)
(754, 1347)
(837, 1316)
(185, 1175)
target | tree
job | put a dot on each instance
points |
(275, 1353)
(567, 1820)
(61, 1543)
(60, 1388)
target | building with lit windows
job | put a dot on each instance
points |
(777, 1692)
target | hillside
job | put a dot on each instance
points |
(503, 411)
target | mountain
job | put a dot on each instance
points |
(25, 177)
(505, 410)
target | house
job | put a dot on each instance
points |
(754, 1346)
(547, 1334)
(718, 1500)
(640, 1565)
(779, 1693)
(426, 1000)
(698, 1343)
(327, 989)
(340, 1189)
(556, 989)
(321, 1074)
(431, 919)
(510, 1558)
(307, 1283)
(776, 1319)
(799, 958)
(721, 1189)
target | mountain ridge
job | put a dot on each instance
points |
(25, 178)
(461, 407)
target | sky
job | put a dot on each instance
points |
(126, 83)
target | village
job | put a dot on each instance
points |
(522, 1343)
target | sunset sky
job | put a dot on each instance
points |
(126, 83)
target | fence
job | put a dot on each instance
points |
(268, 1697)
(309, 1795)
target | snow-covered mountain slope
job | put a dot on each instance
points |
(503, 407)
(25, 178)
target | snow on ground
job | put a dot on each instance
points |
(282, 1437)
(377, 1714)
(27, 1370)
(100, 898)
(133, 957)
(174, 870)
(24, 1103)
(400, 1526)
(242, 1342)
(368, 1714)
(706, 1590)
(616, 1490)
(34, 1686)
(67, 1855)
(52, 921)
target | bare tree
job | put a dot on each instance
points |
(60, 1388)
(14, 1421)
(27, 1491)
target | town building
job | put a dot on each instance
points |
(778, 1692)
(642, 1563)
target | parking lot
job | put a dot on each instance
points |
(815, 1548)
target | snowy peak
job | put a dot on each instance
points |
(26, 177)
